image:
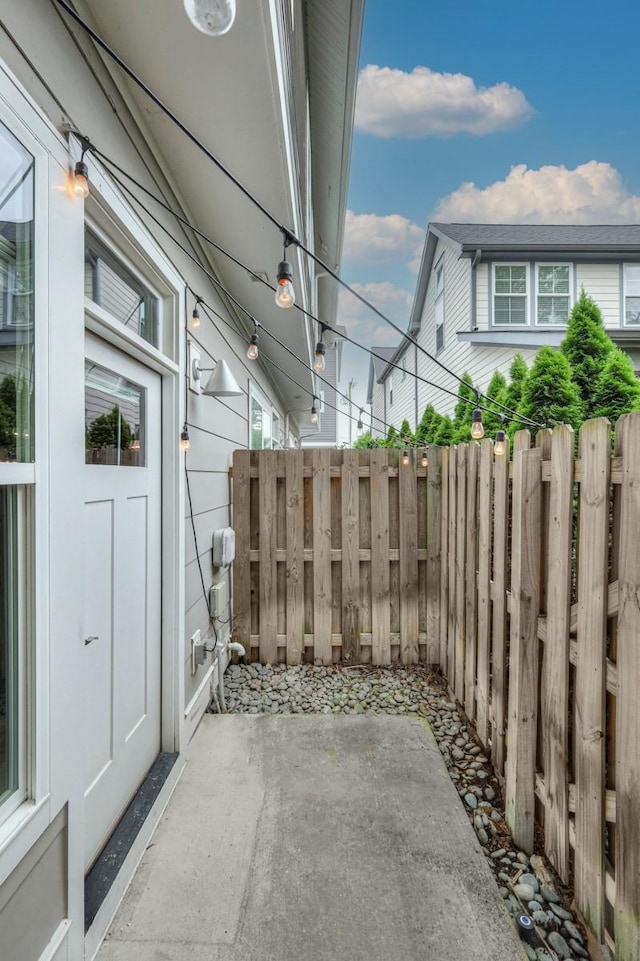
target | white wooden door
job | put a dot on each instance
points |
(122, 644)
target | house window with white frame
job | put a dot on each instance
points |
(260, 420)
(632, 295)
(17, 456)
(553, 294)
(510, 294)
(439, 295)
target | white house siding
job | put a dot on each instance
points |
(404, 403)
(66, 81)
(482, 296)
(378, 411)
(602, 282)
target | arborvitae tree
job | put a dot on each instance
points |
(446, 432)
(587, 347)
(392, 437)
(367, 441)
(103, 431)
(617, 390)
(424, 433)
(405, 431)
(518, 373)
(550, 395)
(464, 409)
(495, 391)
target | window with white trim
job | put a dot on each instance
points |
(390, 384)
(439, 295)
(510, 294)
(260, 420)
(632, 295)
(276, 439)
(553, 294)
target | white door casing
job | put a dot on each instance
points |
(122, 610)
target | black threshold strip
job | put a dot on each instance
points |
(103, 873)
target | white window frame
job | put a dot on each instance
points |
(390, 383)
(625, 295)
(439, 302)
(255, 394)
(276, 443)
(569, 296)
(526, 295)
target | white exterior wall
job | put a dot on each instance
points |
(378, 410)
(482, 296)
(403, 392)
(603, 283)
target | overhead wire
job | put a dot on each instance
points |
(289, 236)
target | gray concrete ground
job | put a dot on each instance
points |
(313, 838)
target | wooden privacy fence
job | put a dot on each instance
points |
(519, 578)
(333, 562)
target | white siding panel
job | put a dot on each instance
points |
(482, 296)
(602, 282)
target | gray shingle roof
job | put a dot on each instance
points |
(543, 235)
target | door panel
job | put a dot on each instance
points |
(122, 583)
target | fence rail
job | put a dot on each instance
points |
(518, 576)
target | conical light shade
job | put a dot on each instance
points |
(222, 383)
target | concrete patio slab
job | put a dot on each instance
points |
(313, 838)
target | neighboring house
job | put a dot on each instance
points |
(488, 291)
(380, 399)
(100, 513)
(325, 433)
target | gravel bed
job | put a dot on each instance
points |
(526, 883)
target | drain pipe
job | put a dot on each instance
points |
(221, 648)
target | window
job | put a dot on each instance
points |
(276, 440)
(510, 294)
(439, 293)
(632, 295)
(114, 419)
(115, 288)
(553, 293)
(390, 382)
(259, 420)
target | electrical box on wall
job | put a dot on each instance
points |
(224, 547)
(219, 599)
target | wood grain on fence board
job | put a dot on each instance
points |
(408, 542)
(295, 555)
(267, 547)
(593, 517)
(321, 460)
(461, 543)
(523, 648)
(434, 547)
(484, 590)
(499, 612)
(350, 558)
(444, 557)
(242, 566)
(380, 575)
(471, 586)
(451, 613)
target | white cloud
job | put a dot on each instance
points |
(373, 239)
(592, 193)
(363, 325)
(423, 103)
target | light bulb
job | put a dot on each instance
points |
(213, 17)
(285, 294)
(320, 362)
(195, 317)
(185, 443)
(477, 428)
(252, 352)
(314, 415)
(405, 458)
(80, 184)
(360, 427)
(425, 459)
(500, 447)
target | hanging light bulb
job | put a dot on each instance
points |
(320, 362)
(500, 446)
(252, 352)
(80, 182)
(360, 425)
(285, 294)
(195, 316)
(425, 458)
(406, 460)
(314, 412)
(213, 17)
(185, 443)
(477, 427)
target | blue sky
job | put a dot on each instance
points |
(461, 94)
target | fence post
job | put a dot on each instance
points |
(242, 565)
(322, 613)
(555, 677)
(593, 542)
(350, 557)
(294, 488)
(380, 578)
(444, 557)
(267, 545)
(523, 653)
(451, 593)
(499, 620)
(408, 541)
(434, 534)
(484, 590)
(461, 540)
(627, 907)
(471, 587)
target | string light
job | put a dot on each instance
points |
(285, 294)
(500, 446)
(360, 425)
(424, 461)
(185, 443)
(406, 459)
(195, 316)
(477, 427)
(320, 362)
(314, 412)
(213, 17)
(252, 352)
(80, 179)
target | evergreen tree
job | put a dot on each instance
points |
(518, 373)
(405, 431)
(550, 395)
(587, 347)
(495, 391)
(464, 409)
(392, 437)
(445, 433)
(103, 431)
(617, 390)
(424, 433)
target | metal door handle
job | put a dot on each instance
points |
(88, 640)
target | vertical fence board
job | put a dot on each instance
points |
(627, 908)
(499, 619)
(321, 461)
(434, 535)
(595, 444)
(380, 575)
(523, 647)
(268, 573)
(242, 567)
(484, 590)
(350, 558)
(294, 486)
(555, 677)
(408, 522)
(444, 557)
(470, 627)
(461, 536)
(451, 536)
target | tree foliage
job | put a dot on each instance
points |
(103, 431)
(587, 347)
(550, 395)
(617, 390)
